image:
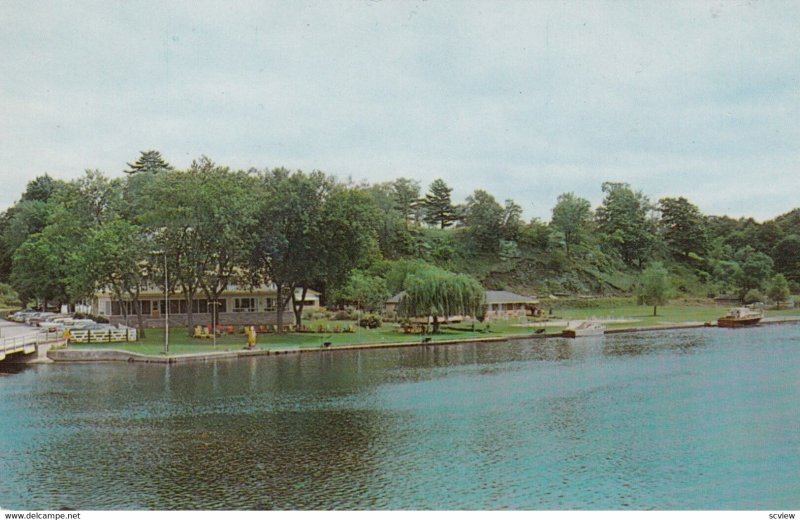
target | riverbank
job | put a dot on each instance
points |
(112, 354)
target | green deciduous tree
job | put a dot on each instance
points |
(341, 239)
(483, 217)
(654, 287)
(756, 268)
(683, 227)
(289, 218)
(624, 219)
(778, 289)
(405, 194)
(572, 216)
(363, 290)
(39, 270)
(42, 188)
(114, 258)
(786, 255)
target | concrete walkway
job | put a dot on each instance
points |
(9, 329)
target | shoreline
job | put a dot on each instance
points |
(108, 355)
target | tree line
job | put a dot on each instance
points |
(209, 226)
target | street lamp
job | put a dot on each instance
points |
(166, 305)
(213, 321)
(166, 301)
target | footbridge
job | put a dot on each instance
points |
(37, 343)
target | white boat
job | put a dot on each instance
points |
(581, 329)
(740, 317)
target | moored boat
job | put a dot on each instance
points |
(740, 317)
(584, 328)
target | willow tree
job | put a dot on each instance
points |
(437, 293)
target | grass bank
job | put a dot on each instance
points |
(619, 316)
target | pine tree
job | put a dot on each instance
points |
(438, 207)
(148, 161)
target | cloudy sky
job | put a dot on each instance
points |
(524, 99)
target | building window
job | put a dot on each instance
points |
(117, 308)
(200, 306)
(244, 305)
(175, 306)
(269, 304)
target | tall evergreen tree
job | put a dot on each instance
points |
(439, 209)
(148, 161)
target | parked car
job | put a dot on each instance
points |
(20, 316)
(39, 317)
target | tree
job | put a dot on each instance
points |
(572, 216)
(42, 189)
(654, 287)
(511, 224)
(25, 218)
(395, 238)
(683, 227)
(439, 209)
(405, 193)
(284, 251)
(223, 206)
(149, 161)
(756, 268)
(342, 239)
(624, 219)
(786, 256)
(171, 208)
(438, 294)
(39, 270)
(115, 258)
(483, 217)
(363, 290)
(778, 289)
(91, 199)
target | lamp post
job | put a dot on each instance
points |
(166, 299)
(213, 322)
(166, 306)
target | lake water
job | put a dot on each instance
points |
(699, 419)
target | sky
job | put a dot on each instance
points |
(526, 100)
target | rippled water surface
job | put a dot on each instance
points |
(702, 419)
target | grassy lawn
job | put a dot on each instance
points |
(634, 316)
(181, 343)
(642, 316)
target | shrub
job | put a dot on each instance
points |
(343, 315)
(753, 296)
(8, 297)
(370, 321)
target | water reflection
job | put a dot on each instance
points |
(683, 342)
(600, 423)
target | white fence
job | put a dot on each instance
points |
(103, 336)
